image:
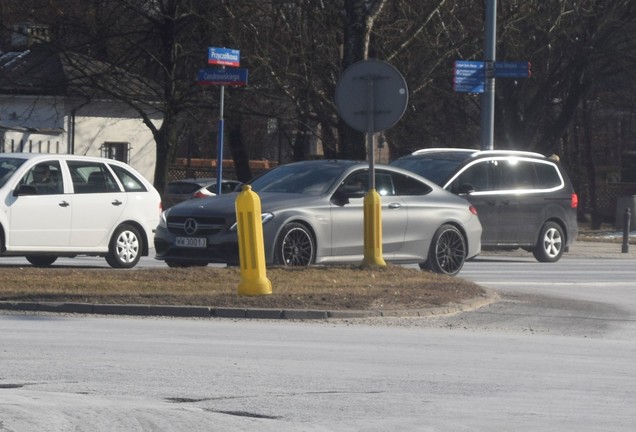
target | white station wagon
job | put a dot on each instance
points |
(56, 205)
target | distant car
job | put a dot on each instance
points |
(524, 199)
(181, 190)
(65, 205)
(312, 213)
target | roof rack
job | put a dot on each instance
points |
(512, 152)
(445, 149)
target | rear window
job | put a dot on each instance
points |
(179, 188)
(547, 175)
(128, 179)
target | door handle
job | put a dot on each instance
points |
(63, 204)
(116, 203)
(394, 205)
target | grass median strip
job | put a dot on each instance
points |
(332, 287)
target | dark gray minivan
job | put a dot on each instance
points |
(523, 199)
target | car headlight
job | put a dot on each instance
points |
(265, 217)
(163, 219)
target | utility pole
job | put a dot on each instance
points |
(488, 96)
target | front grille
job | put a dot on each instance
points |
(203, 225)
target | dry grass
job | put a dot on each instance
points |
(336, 288)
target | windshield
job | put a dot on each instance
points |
(301, 178)
(8, 167)
(436, 170)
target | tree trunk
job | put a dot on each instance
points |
(239, 153)
(359, 16)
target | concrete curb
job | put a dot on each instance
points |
(176, 311)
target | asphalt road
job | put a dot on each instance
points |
(555, 353)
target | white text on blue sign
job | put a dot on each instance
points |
(224, 57)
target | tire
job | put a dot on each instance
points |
(41, 260)
(295, 246)
(124, 250)
(447, 252)
(550, 244)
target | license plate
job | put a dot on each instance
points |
(191, 242)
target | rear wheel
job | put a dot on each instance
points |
(125, 247)
(550, 244)
(447, 252)
(41, 260)
(295, 246)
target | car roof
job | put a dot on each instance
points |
(464, 153)
(61, 156)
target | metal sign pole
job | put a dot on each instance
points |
(488, 97)
(219, 158)
(370, 129)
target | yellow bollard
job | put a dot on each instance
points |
(251, 246)
(373, 229)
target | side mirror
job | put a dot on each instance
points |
(351, 191)
(25, 190)
(344, 193)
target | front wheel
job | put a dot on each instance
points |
(447, 252)
(125, 247)
(295, 246)
(41, 260)
(549, 247)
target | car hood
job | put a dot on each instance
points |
(226, 204)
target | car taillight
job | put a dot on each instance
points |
(574, 202)
(198, 195)
(473, 210)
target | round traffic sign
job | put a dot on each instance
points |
(371, 88)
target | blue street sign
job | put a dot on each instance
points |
(224, 57)
(229, 77)
(470, 65)
(512, 69)
(469, 76)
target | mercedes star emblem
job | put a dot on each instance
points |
(190, 226)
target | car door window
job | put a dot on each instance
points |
(45, 178)
(477, 177)
(360, 183)
(516, 175)
(91, 177)
(405, 185)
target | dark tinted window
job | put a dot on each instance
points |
(405, 185)
(178, 188)
(478, 177)
(547, 176)
(226, 187)
(515, 174)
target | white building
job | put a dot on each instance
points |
(46, 107)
